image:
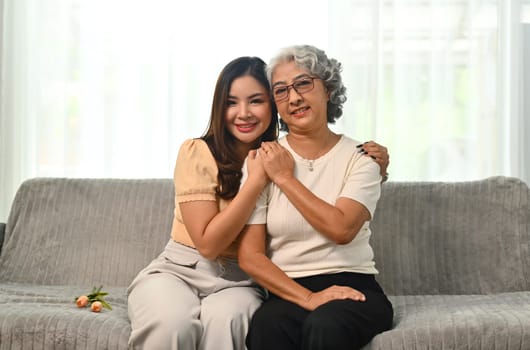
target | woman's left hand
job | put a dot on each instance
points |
(277, 161)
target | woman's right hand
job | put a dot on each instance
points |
(255, 167)
(316, 299)
(277, 161)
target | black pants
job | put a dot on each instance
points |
(339, 324)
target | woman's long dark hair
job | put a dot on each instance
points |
(221, 142)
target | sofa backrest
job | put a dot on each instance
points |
(85, 231)
(428, 238)
(453, 238)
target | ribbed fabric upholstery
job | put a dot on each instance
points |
(454, 258)
(45, 317)
(63, 237)
(458, 322)
(453, 238)
(85, 231)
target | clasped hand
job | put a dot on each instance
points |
(271, 162)
(277, 161)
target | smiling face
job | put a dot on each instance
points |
(248, 111)
(303, 111)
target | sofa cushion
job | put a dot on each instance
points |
(467, 322)
(453, 238)
(46, 317)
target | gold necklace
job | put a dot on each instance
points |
(310, 165)
(320, 152)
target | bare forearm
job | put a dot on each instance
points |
(269, 276)
(224, 227)
(325, 218)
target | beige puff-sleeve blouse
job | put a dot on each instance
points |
(195, 179)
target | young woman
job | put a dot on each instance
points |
(194, 295)
(317, 263)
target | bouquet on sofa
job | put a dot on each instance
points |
(95, 300)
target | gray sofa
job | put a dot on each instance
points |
(454, 258)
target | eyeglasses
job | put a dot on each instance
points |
(301, 86)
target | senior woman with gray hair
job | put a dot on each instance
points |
(307, 241)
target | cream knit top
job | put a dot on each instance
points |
(293, 244)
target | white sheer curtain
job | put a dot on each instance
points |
(439, 82)
(111, 88)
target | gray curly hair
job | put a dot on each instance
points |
(317, 63)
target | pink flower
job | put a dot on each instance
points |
(95, 299)
(82, 301)
(96, 306)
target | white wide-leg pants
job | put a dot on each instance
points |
(184, 301)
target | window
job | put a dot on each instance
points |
(111, 88)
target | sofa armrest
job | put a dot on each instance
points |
(2, 233)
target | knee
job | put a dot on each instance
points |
(230, 311)
(164, 332)
(322, 330)
(157, 328)
(320, 323)
(224, 315)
